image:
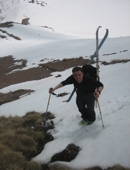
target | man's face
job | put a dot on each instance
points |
(78, 76)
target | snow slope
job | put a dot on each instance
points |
(103, 147)
(72, 17)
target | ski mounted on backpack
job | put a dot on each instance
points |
(94, 55)
(97, 55)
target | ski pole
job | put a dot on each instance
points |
(44, 120)
(48, 103)
(100, 113)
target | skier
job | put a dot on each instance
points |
(86, 94)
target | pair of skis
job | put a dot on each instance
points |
(94, 55)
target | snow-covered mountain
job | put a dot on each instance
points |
(72, 17)
(103, 147)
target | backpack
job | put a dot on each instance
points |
(90, 70)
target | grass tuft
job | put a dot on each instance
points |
(22, 138)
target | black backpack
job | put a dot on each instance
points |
(90, 70)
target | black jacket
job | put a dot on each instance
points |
(88, 84)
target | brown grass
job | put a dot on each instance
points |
(22, 138)
(44, 70)
(62, 94)
(115, 62)
(11, 96)
(6, 24)
(11, 35)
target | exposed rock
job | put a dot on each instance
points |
(25, 21)
(67, 155)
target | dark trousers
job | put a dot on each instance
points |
(85, 104)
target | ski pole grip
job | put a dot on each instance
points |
(53, 92)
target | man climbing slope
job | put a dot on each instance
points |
(86, 94)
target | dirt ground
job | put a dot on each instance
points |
(7, 64)
(10, 77)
